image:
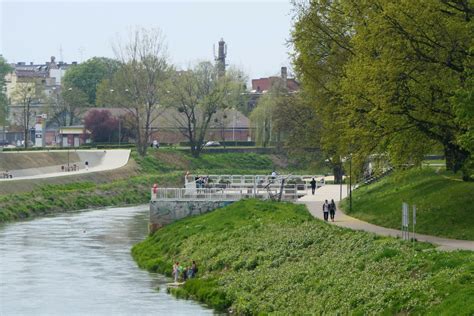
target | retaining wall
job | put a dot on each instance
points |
(165, 212)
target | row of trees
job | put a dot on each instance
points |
(144, 83)
(386, 78)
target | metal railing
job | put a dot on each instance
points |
(239, 181)
(289, 192)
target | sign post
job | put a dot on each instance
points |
(414, 221)
(405, 222)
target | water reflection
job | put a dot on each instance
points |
(80, 264)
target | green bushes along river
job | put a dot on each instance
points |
(265, 257)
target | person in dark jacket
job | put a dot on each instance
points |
(332, 210)
(313, 185)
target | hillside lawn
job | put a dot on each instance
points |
(445, 204)
(258, 257)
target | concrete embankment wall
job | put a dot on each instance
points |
(13, 161)
(165, 212)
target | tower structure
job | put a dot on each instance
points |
(220, 58)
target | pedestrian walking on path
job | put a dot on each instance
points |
(329, 191)
(313, 185)
(326, 210)
(332, 209)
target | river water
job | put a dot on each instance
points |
(80, 264)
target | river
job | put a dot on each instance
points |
(80, 264)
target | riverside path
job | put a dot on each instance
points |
(314, 204)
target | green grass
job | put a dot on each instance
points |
(165, 160)
(258, 257)
(444, 204)
(50, 199)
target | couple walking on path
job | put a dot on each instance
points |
(329, 209)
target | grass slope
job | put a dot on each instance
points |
(260, 257)
(50, 199)
(445, 206)
(165, 160)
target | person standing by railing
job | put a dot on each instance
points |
(154, 191)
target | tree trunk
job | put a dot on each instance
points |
(337, 171)
(456, 159)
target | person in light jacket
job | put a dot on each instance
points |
(326, 210)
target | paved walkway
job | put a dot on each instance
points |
(315, 203)
(99, 160)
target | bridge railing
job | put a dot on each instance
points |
(289, 192)
(226, 181)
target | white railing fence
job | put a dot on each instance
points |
(237, 181)
(290, 192)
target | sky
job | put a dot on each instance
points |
(256, 33)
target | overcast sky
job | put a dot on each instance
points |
(255, 32)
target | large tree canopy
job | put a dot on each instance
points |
(382, 75)
(197, 94)
(89, 74)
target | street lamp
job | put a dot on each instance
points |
(350, 183)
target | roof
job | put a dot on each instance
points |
(264, 84)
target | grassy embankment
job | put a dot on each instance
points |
(119, 187)
(445, 204)
(259, 257)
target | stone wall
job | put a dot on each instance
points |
(165, 212)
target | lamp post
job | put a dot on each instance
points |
(119, 136)
(350, 184)
(340, 179)
(233, 126)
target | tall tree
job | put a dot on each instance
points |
(4, 70)
(383, 73)
(65, 105)
(322, 36)
(25, 94)
(196, 95)
(87, 75)
(140, 83)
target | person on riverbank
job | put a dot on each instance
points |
(176, 271)
(332, 209)
(185, 274)
(313, 185)
(326, 210)
(194, 269)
